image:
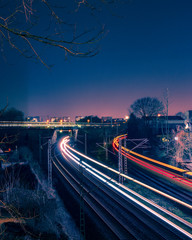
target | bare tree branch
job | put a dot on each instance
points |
(14, 30)
(4, 109)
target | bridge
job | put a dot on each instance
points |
(26, 124)
(127, 214)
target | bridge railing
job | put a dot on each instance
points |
(51, 124)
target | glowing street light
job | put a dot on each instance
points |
(188, 126)
(176, 138)
(126, 117)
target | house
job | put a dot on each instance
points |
(66, 119)
(161, 124)
(78, 118)
(106, 119)
(119, 120)
(188, 115)
(33, 119)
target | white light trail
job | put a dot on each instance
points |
(111, 182)
(141, 204)
(123, 175)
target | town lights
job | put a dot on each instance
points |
(176, 138)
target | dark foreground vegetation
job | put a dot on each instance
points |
(27, 209)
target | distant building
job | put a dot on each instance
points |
(59, 119)
(160, 124)
(106, 119)
(33, 119)
(66, 119)
(78, 118)
(54, 119)
(188, 115)
(118, 120)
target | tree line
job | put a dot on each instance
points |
(11, 114)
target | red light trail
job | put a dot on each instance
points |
(148, 164)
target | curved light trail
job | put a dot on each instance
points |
(64, 147)
(78, 158)
(164, 170)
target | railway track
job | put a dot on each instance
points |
(125, 218)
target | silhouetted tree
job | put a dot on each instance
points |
(132, 126)
(12, 114)
(147, 107)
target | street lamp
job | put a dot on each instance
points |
(126, 117)
(176, 138)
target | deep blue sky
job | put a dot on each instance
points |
(148, 48)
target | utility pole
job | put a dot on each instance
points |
(82, 208)
(40, 156)
(54, 137)
(120, 162)
(105, 144)
(106, 150)
(117, 131)
(166, 103)
(76, 133)
(49, 165)
(85, 143)
(82, 217)
(50, 174)
(125, 159)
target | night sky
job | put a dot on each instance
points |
(147, 49)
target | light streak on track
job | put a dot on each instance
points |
(64, 147)
(166, 171)
(137, 195)
(67, 152)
